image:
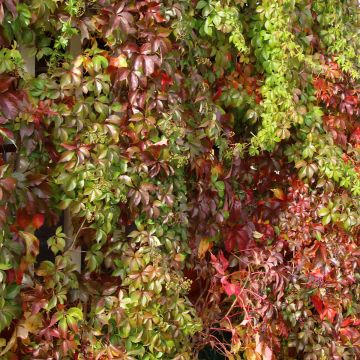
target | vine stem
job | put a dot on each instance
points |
(69, 234)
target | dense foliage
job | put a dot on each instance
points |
(207, 154)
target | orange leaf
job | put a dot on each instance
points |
(38, 220)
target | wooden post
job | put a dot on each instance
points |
(29, 60)
(75, 50)
(29, 66)
(75, 45)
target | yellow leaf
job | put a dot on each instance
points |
(279, 194)
(251, 354)
(229, 356)
(30, 325)
(32, 245)
(119, 62)
(204, 246)
(257, 235)
(235, 348)
(9, 344)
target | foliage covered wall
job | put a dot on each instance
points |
(208, 154)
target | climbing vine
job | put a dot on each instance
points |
(200, 159)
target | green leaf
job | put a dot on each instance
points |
(8, 312)
(323, 211)
(5, 266)
(75, 313)
(326, 219)
(99, 62)
(66, 156)
(124, 330)
(208, 27)
(64, 204)
(63, 325)
(201, 4)
(220, 185)
(12, 291)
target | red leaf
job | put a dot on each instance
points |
(6, 133)
(149, 64)
(350, 333)
(19, 276)
(22, 219)
(38, 221)
(230, 289)
(355, 136)
(329, 313)
(323, 309)
(224, 262)
(236, 237)
(8, 184)
(165, 80)
(134, 81)
(15, 275)
(318, 304)
(220, 263)
(6, 82)
(8, 105)
(217, 94)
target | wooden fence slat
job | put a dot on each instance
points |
(29, 60)
(75, 50)
(30, 67)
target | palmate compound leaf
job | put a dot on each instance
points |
(10, 308)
